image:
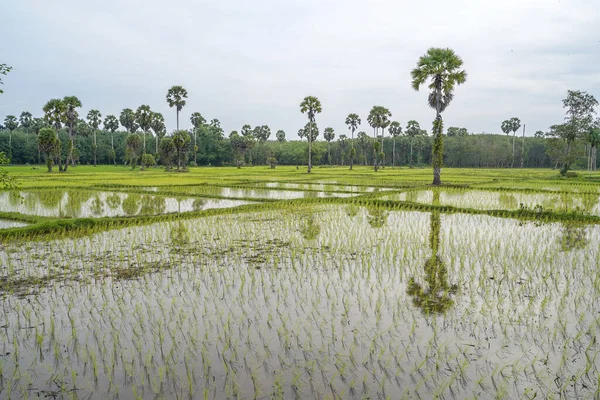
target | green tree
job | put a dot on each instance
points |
(329, 135)
(363, 141)
(395, 131)
(94, 119)
(26, 120)
(158, 127)
(4, 69)
(581, 108)
(47, 144)
(594, 140)
(413, 129)
(143, 117)
(133, 145)
(11, 123)
(54, 113)
(442, 66)
(176, 96)
(111, 124)
(127, 119)
(311, 106)
(280, 135)
(72, 103)
(167, 152)
(181, 140)
(197, 121)
(353, 121)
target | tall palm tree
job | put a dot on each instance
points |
(54, 113)
(94, 118)
(111, 123)
(176, 98)
(329, 135)
(72, 103)
(158, 127)
(26, 120)
(395, 131)
(442, 67)
(127, 119)
(353, 121)
(515, 124)
(384, 116)
(413, 129)
(197, 121)
(280, 135)
(143, 117)
(310, 106)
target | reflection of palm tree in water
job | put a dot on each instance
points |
(436, 298)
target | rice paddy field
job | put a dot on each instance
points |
(257, 283)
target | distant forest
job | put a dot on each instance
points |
(480, 150)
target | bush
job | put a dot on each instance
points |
(148, 160)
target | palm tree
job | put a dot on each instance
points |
(280, 135)
(442, 66)
(384, 116)
(310, 106)
(72, 103)
(413, 129)
(26, 120)
(363, 140)
(176, 98)
(515, 124)
(143, 117)
(329, 135)
(353, 121)
(127, 119)
(94, 118)
(197, 121)
(112, 124)
(11, 123)
(54, 113)
(395, 131)
(158, 127)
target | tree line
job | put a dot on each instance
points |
(139, 137)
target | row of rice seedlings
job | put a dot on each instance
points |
(311, 303)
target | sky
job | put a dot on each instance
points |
(253, 61)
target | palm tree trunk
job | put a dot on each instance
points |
(437, 140)
(177, 109)
(512, 163)
(411, 153)
(523, 148)
(352, 144)
(329, 152)
(309, 145)
(9, 144)
(112, 146)
(394, 153)
(195, 146)
(95, 148)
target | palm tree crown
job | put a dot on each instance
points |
(442, 66)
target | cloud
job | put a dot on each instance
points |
(253, 62)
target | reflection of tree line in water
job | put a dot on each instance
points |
(130, 203)
(583, 203)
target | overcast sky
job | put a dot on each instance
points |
(253, 61)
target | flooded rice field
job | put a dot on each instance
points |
(74, 203)
(316, 301)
